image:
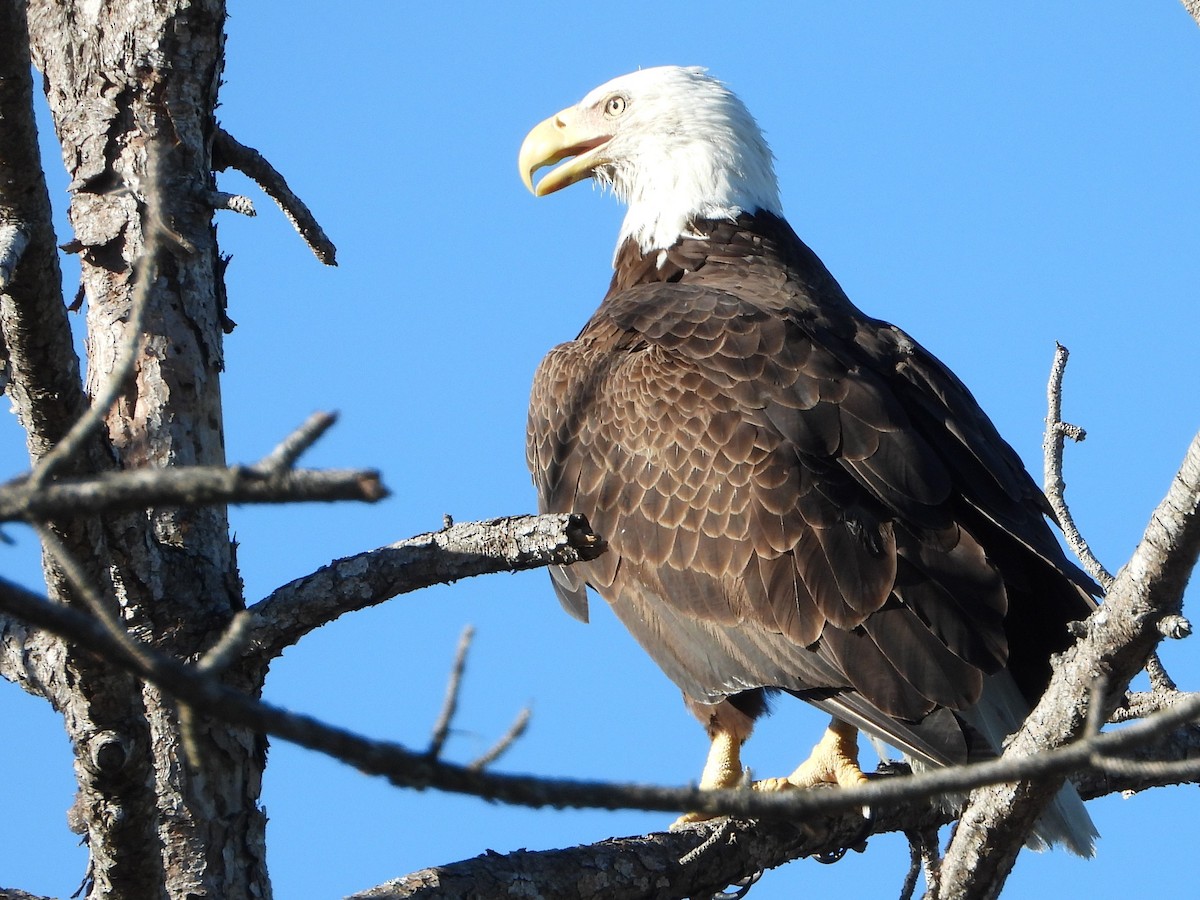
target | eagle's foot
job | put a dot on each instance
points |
(834, 760)
(722, 771)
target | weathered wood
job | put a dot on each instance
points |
(132, 86)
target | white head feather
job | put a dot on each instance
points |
(684, 148)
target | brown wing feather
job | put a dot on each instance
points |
(794, 495)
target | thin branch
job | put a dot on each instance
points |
(1160, 681)
(1057, 431)
(724, 825)
(237, 203)
(1139, 705)
(23, 501)
(510, 737)
(228, 152)
(230, 645)
(1176, 771)
(460, 551)
(295, 444)
(1055, 488)
(827, 818)
(215, 661)
(915, 862)
(441, 727)
(924, 859)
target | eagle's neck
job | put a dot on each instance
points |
(726, 255)
(704, 245)
(664, 211)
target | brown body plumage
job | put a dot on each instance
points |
(795, 495)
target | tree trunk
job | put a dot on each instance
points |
(132, 86)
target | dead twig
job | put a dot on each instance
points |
(415, 769)
(924, 859)
(82, 586)
(145, 272)
(498, 749)
(1057, 431)
(1053, 442)
(228, 153)
(27, 501)
(295, 444)
(441, 727)
(237, 203)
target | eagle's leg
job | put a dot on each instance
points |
(834, 760)
(723, 768)
(728, 725)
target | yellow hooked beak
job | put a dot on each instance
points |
(561, 136)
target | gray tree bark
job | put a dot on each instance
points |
(132, 86)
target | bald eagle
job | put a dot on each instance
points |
(796, 497)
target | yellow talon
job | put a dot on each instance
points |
(834, 760)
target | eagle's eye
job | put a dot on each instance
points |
(614, 106)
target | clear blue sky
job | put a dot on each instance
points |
(991, 177)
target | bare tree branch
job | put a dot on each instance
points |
(1140, 704)
(183, 486)
(659, 866)
(293, 446)
(689, 862)
(82, 586)
(43, 371)
(441, 727)
(510, 737)
(1057, 431)
(237, 203)
(925, 859)
(1193, 8)
(14, 894)
(228, 152)
(1117, 641)
(271, 480)
(22, 660)
(460, 551)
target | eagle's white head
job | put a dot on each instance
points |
(674, 144)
